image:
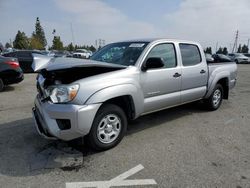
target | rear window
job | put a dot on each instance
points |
(190, 54)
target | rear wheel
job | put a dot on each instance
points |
(215, 100)
(108, 128)
(1, 85)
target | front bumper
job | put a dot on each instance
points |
(47, 114)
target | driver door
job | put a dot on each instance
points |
(162, 86)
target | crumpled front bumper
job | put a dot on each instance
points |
(46, 116)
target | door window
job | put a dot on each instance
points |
(190, 54)
(166, 52)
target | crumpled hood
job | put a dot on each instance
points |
(50, 64)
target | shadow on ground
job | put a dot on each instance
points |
(8, 89)
(25, 153)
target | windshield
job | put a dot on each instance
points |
(122, 53)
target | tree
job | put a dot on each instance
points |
(8, 45)
(239, 49)
(224, 51)
(21, 41)
(35, 43)
(244, 49)
(39, 35)
(57, 43)
(220, 51)
(92, 48)
(208, 50)
(70, 47)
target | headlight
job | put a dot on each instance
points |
(62, 93)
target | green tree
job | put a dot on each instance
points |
(92, 48)
(70, 47)
(57, 44)
(8, 45)
(21, 41)
(224, 51)
(220, 51)
(39, 36)
(239, 49)
(35, 43)
(244, 49)
(208, 50)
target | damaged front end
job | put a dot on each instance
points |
(56, 75)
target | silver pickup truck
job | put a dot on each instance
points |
(95, 98)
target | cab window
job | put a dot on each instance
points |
(190, 54)
(166, 52)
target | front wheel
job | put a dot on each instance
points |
(215, 100)
(108, 128)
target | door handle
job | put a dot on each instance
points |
(176, 75)
(203, 71)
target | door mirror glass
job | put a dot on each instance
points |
(153, 63)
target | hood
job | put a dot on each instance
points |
(52, 64)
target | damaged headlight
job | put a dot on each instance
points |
(62, 93)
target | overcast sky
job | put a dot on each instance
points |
(205, 21)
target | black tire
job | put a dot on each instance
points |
(1, 85)
(236, 61)
(95, 139)
(210, 102)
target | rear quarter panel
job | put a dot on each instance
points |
(219, 71)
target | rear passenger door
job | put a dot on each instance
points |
(194, 73)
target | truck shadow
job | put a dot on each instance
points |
(164, 116)
(25, 153)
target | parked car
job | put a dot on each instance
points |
(10, 72)
(209, 58)
(25, 58)
(95, 98)
(247, 55)
(82, 53)
(61, 53)
(238, 58)
(221, 58)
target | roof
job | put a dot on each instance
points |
(157, 39)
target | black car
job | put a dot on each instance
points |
(221, 58)
(10, 71)
(25, 59)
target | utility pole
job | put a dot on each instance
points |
(248, 43)
(235, 42)
(72, 34)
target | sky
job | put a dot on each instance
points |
(83, 21)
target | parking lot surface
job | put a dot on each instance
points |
(185, 146)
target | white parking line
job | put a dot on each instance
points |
(117, 181)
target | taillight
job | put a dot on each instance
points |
(13, 64)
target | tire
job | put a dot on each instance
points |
(1, 85)
(108, 128)
(215, 100)
(236, 61)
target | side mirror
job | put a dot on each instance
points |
(153, 63)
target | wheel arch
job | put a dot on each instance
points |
(223, 80)
(126, 96)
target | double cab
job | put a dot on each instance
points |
(95, 98)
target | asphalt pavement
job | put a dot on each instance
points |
(185, 146)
